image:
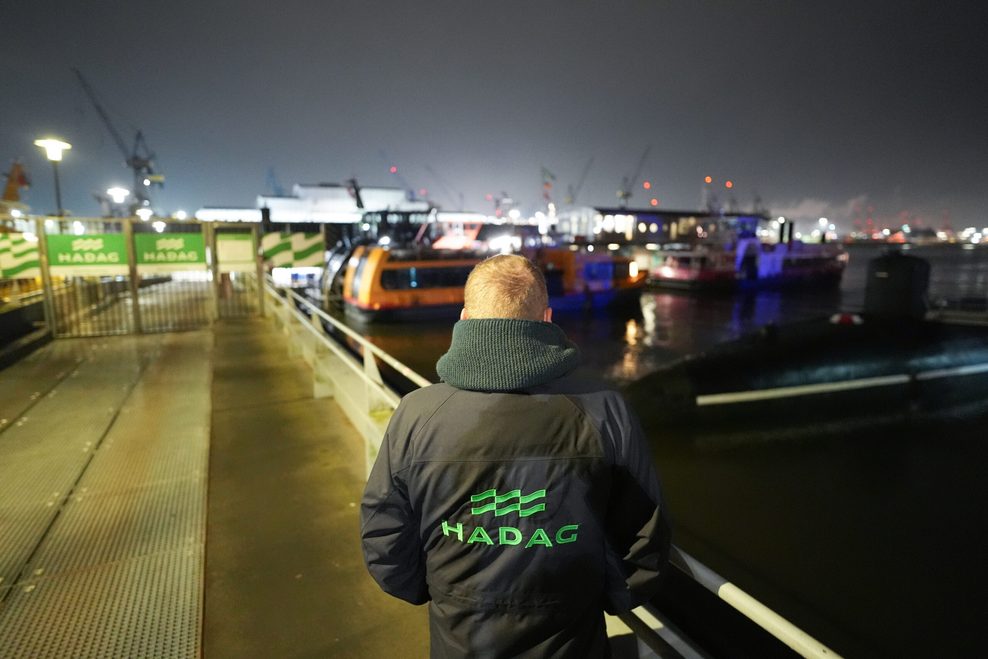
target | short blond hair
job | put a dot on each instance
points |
(506, 286)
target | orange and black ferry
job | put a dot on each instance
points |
(382, 283)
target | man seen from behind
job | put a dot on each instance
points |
(516, 498)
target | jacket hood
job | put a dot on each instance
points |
(506, 354)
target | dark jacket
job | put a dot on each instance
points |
(516, 498)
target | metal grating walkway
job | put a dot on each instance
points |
(103, 462)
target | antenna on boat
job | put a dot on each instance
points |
(353, 188)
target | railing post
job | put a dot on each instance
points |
(214, 269)
(128, 230)
(259, 259)
(48, 301)
(322, 382)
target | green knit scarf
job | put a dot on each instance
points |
(506, 354)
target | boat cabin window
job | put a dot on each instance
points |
(358, 274)
(602, 271)
(415, 278)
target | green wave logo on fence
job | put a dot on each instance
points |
(496, 501)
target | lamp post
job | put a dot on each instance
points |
(53, 151)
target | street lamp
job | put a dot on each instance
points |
(53, 151)
(118, 195)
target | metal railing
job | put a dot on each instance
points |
(352, 378)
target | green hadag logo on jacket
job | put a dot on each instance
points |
(525, 505)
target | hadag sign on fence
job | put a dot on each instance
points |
(91, 254)
(169, 252)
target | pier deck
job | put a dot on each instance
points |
(183, 495)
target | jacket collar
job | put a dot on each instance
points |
(506, 354)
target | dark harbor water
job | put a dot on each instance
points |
(871, 540)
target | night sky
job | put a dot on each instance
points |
(821, 108)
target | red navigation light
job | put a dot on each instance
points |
(729, 184)
(393, 170)
(654, 201)
(708, 179)
(423, 192)
(647, 185)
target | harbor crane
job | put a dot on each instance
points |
(573, 192)
(446, 188)
(628, 183)
(139, 157)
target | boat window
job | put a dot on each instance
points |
(357, 275)
(415, 277)
(598, 271)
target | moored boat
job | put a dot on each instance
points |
(748, 263)
(383, 283)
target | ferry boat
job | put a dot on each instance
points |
(382, 283)
(748, 263)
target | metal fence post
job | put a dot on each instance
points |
(49, 298)
(128, 230)
(259, 259)
(214, 269)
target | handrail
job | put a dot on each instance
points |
(780, 628)
(385, 391)
(783, 630)
(364, 343)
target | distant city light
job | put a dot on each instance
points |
(159, 226)
(823, 221)
(729, 184)
(78, 228)
(642, 227)
(144, 213)
(514, 213)
(647, 185)
(654, 201)
(708, 179)
(147, 182)
(181, 215)
(653, 227)
(15, 212)
(589, 248)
